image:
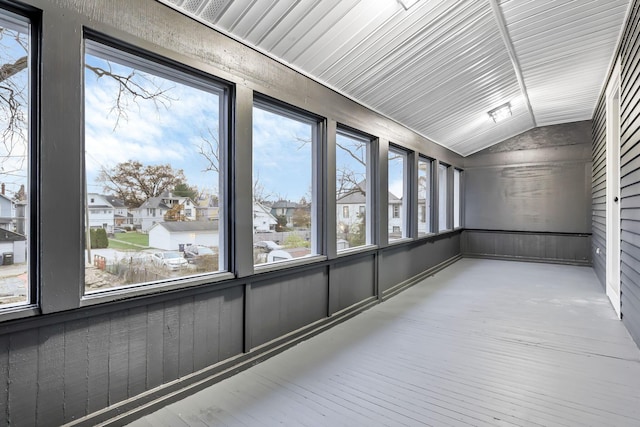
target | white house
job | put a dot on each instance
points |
(121, 214)
(100, 212)
(153, 210)
(263, 220)
(170, 235)
(7, 213)
(351, 206)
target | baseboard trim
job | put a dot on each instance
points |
(529, 259)
(388, 293)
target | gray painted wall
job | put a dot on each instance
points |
(532, 192)
(69, 358)
(629, 54)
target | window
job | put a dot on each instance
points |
(352, 187)
(284, 171)
(424, 196)
(443, 211)
(157, 133)
(397, 161)
(15, 161)
(457, 177)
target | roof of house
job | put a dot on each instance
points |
(154, 202)
(10, 236)
(352, 197)
(187, 226)
(115, 202)
(284, 204)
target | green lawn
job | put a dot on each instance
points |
(116, 244)
(132, 237)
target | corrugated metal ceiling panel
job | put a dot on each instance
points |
(564, 48)
(440, 66)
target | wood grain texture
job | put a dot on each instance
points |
(481, 343)
(51, 362)
(98, 356)
(76, 369)
(23, 357)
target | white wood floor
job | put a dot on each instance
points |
(481, 343)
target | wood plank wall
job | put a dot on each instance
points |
(538, 206)
(629, 53)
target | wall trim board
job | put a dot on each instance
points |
(528, 259)
(530, 246)
(418, 278)
(142, 404)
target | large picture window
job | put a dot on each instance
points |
(397, 213)
(284, 195)
(352, 194)
(424, 196)
(154, 170)
(15, 160)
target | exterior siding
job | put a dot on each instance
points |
(629, 54)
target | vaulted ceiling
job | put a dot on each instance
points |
(441, 65)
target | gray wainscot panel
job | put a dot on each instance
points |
(351, 282)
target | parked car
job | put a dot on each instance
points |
(267, 245)
(193, 253)
(172, 260)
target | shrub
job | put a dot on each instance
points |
(98, 238)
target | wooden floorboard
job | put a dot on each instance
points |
(481, 343)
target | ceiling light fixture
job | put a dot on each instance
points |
(500, 113)
(407, 3)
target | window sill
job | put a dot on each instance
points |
(356, 250)
(18, 312)
(281, 265)
(113, 294)
(399, 241)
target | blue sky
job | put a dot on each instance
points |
(169, 130)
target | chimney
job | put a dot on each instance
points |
(2, 189)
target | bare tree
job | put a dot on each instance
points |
(14, 92)
(133, 183)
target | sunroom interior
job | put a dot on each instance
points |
(303, 212)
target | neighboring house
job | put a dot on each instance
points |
(121, 214)
(7, 213)
(13, 243)
(349, 210)
(174, 235)
(263, 220)
(284, 208)
(153, 210)
(396, 216)
(207, 208)
(351, 206)
(100, 212)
